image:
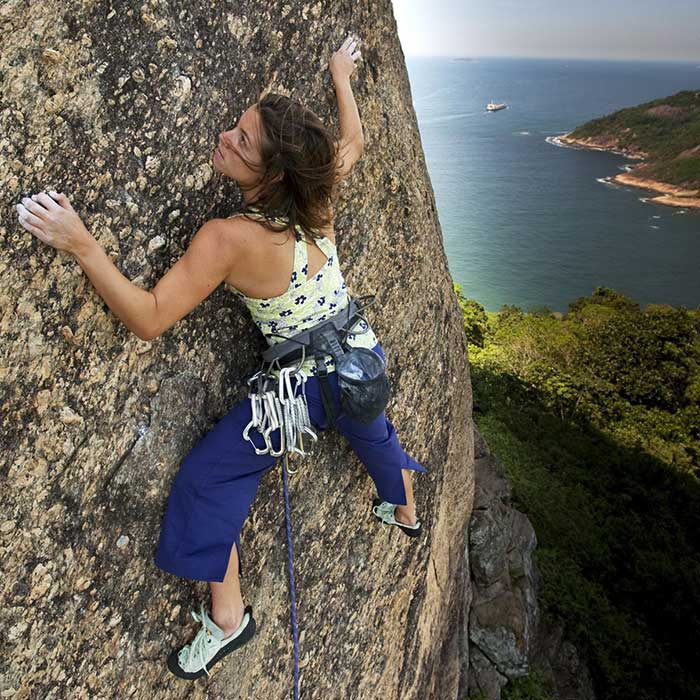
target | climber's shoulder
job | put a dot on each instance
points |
(244, 234)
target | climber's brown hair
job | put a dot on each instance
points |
(299, 168)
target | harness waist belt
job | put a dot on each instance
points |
(291, 349)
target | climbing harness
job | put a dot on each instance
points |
(364, 386)
(280, 402)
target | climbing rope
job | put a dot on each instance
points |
(276, 404)
(292, 594)
(280, 403)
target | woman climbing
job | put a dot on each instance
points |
(279, 256)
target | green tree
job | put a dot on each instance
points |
(476, 321)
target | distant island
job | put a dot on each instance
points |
(664, 134)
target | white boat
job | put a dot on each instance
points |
(493, 107)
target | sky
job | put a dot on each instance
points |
(605, 29)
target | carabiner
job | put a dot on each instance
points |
(246, 436)
(286, 465)
(253, 377)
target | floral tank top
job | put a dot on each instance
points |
(307, 302)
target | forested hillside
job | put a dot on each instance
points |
(596, 416)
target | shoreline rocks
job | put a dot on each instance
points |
(669, 194)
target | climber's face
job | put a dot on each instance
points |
(238, 145)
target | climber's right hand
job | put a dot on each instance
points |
(342, 63)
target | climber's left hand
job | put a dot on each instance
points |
(52, 219)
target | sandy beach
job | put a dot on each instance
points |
(671, 195)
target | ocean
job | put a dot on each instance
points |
(530, 223)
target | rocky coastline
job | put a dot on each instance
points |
(668, 194)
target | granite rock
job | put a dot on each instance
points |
(119, 106)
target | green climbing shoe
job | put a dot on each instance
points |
(209, 646)
(384, 512)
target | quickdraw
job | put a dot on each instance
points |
(276, 403)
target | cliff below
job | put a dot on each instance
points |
(664, 134)
(509, 637)
(119, 105)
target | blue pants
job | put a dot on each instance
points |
(217, 482)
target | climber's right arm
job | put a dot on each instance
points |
(210, 257)
(351, 142)
(349, 153)
(350, 125)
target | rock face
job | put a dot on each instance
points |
(504, 612)
(508, 637)
(119, 106)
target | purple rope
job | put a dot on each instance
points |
(291, 578)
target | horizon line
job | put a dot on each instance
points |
(561, 58)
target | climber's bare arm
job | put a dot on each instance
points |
(210, 257)
(207, 261)
(349, 153)
(351, 143)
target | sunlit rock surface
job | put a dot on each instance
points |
(119, 106)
